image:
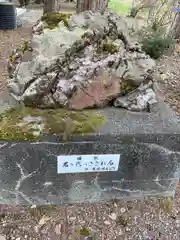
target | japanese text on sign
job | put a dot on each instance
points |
(88, 163)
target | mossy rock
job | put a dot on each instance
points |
(25, 46)
(107, 46)
(52, 19)
(26, 123)
(127, 87)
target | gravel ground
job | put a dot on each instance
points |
(146, 219)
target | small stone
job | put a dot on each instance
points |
(58, 229)
(113, 216)
(120, 232)
(47, 184)
(33, 206)
(121, 102)
(72, 218)
(123, 210)
(107, 222)
(36, 229)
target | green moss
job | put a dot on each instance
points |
(127, 86)
(12, 58)
(84, 232)
(50, 27)
(53, 19)
(25, 46)
(107, 46)
(166, 205)
(53, 120)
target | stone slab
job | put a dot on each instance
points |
(149, 165)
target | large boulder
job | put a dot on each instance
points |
(72, 61)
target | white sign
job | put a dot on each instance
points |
(88, 163)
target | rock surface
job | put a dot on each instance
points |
(144, 168)
(86, 61)
(98, 93)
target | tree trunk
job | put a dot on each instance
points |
(94, 5)
(147, 4)
(51, 6)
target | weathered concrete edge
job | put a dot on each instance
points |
(169, 141)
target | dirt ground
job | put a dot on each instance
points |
(10, 40)
(168, 67)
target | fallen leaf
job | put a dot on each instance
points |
(107, 223)
(43, 220)
(113, 216)
(58, 229)
(122, 210)
(36, 228)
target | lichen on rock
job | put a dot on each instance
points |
(107, 46)
(26, 123)
(127, 87)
